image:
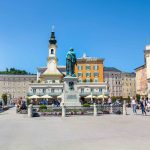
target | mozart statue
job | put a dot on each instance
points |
(71, 61)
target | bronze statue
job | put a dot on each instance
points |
(71, 61)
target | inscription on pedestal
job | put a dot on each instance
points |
(71, 97)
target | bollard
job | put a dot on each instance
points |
(95, 110)
(30, 111)
(63, 110)
(16, 109)
(124, 108)
(111, 109)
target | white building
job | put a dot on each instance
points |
(113, 79)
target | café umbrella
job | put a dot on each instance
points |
(102, 96)
(46, 96)
(60, 96)
(34, 97)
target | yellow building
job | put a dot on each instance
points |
(90, 69)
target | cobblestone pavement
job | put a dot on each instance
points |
(107, 132)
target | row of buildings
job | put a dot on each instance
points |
(89, 70)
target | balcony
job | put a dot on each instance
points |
(44, 93)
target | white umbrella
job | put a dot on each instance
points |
(33, 96)
(60, 96)
(46, 96)
(90, 96)
(102, 96)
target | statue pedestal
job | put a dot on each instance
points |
(70, 95)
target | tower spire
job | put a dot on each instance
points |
(52, 39)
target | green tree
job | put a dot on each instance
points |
(4, 97)
(113, 99)
(138, 97)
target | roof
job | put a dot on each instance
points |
(18, 75)
(111, 69)
(131, 74)
(141, 67)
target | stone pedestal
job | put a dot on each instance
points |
(70, 95)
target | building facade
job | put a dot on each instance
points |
(141, 80)
(147, 62)
(15, 85)
(90, 69)
(113, 79)
(128, 84)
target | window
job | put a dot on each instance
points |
(95, 80)
(52, 90)
(96, 74)
(79, 67)
(100, 89)
(88, 67)
(34, 91)
(88, 74)
(87, 80)
(80, 80)
(82, 90)
(79, 74)
(96, 67)
(52, 51)
(43, 90)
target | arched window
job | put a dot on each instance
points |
(52, 51)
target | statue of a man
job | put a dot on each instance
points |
(70, 63)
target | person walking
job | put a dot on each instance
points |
(133, 105)
(109, 101)
(143, 106)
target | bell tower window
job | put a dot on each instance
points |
(52, 51)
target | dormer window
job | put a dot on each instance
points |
(52, 51)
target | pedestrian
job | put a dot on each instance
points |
(109, 101)
(143, 106)
(133, 105)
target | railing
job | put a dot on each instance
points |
(44, 93)
(95, 110)
(79, 110)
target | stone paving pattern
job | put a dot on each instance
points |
(107, 132)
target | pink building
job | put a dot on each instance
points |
(141, 80)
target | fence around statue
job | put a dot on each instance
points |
(93, 110)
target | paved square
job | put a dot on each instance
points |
(108, 132)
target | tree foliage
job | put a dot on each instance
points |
(4, 97)
(15, 71)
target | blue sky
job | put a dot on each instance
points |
(116, 30)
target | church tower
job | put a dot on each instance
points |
(52, 74)
(52, 59)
